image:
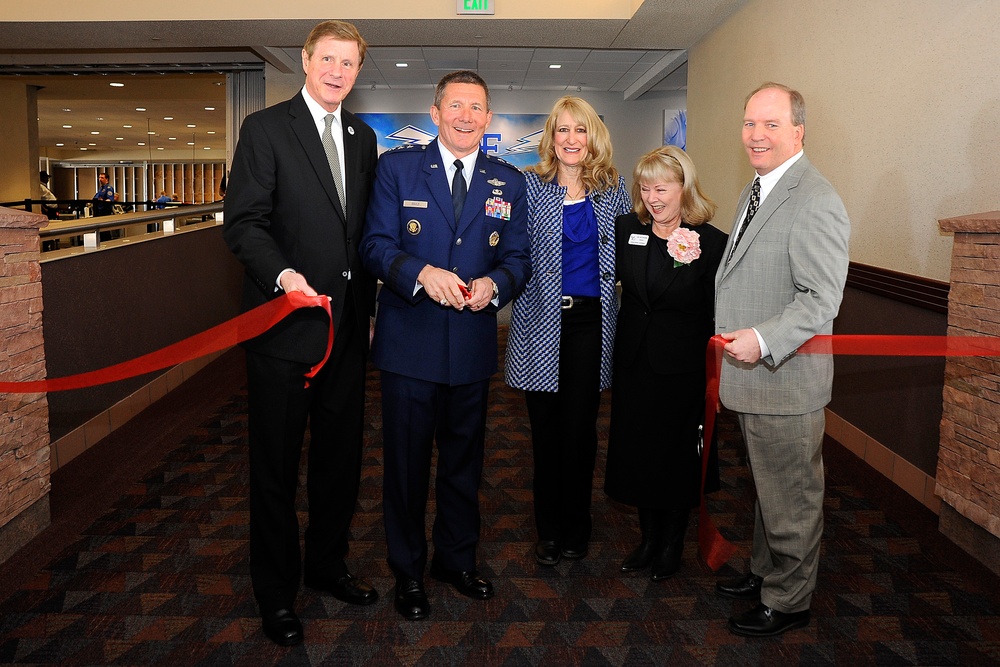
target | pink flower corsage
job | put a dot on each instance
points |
(684, 245)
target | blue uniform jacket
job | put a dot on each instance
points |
(411, 224)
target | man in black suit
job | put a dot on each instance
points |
(294, 209)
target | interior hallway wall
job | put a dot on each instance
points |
(903, 112)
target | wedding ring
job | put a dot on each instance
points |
(444, 302)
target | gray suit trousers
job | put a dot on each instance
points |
(786, 459)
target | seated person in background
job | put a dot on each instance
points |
(161, 201)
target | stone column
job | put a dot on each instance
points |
(24, 427)
(968, 472)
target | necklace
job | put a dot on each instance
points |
(581, 191)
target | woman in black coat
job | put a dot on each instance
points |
(666, 259)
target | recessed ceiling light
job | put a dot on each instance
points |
(115, 84)
(192, 125)
(83, 148)
(67, 109)
(402, 65)
(172, 138)
(211, 132)
(190, 143)
(168, 118)
(60, 144)
(159, 148)
(142, 143)
(91, 144)
(100, 118)
(140, 108)
(151, 132)
(119, 138)
(67, 127)
(555, 66)
(95, 132)
(208, 148)
(209, 108)
(127, 126)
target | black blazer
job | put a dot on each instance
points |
(668, 326)
(282, 211)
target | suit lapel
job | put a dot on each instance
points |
(638, 258)
(768, 207)
(304, 128)
(352, 157)
(437, 182)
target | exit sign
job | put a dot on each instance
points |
(476, 6)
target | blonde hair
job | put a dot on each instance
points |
(598, 172)
(670, 164)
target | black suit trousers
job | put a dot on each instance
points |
(564, 431)
(279, 409)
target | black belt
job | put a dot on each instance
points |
(571, 301)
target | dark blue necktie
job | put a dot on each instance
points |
(458, 190)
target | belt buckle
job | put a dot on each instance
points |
(567, 302)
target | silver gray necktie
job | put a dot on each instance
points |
(333, 157)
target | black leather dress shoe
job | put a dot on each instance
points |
(469, 583)
(746, 587)
(574, 552)
(348, 588)
(762, 621)
(411, 599)
(282, 627)
(547, 552)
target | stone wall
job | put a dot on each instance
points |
(968, 472)
(24, 427)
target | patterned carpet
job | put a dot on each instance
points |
(158, 575)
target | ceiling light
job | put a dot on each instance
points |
(91, 144)
(67, 109)
(192, 125)
(555, 66)
(140, 108)
(151, 132)
(127, 126)
(211, 132)
(402, 65)
(190, 143)
(119, 138)
(172, 138)
(83, 148)
(159, 148)
(67, 127)
(208, 148)
(168, 118)
(209, 108)
(141, 143)
(100, 118)
(115, 84)
(60, 144)
(95, 132)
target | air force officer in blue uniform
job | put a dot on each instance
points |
(447, 235)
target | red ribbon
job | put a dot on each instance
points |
(223, 336)
(713, 547)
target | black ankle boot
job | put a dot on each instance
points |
(667, 560)
(651, 527)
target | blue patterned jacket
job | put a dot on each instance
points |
(533, 342)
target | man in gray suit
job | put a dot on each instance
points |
(780, 283)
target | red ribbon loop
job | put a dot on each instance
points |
(220, 337)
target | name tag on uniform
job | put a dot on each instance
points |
(638, 239)
(413, 203)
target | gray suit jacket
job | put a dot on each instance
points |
(786, 279)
